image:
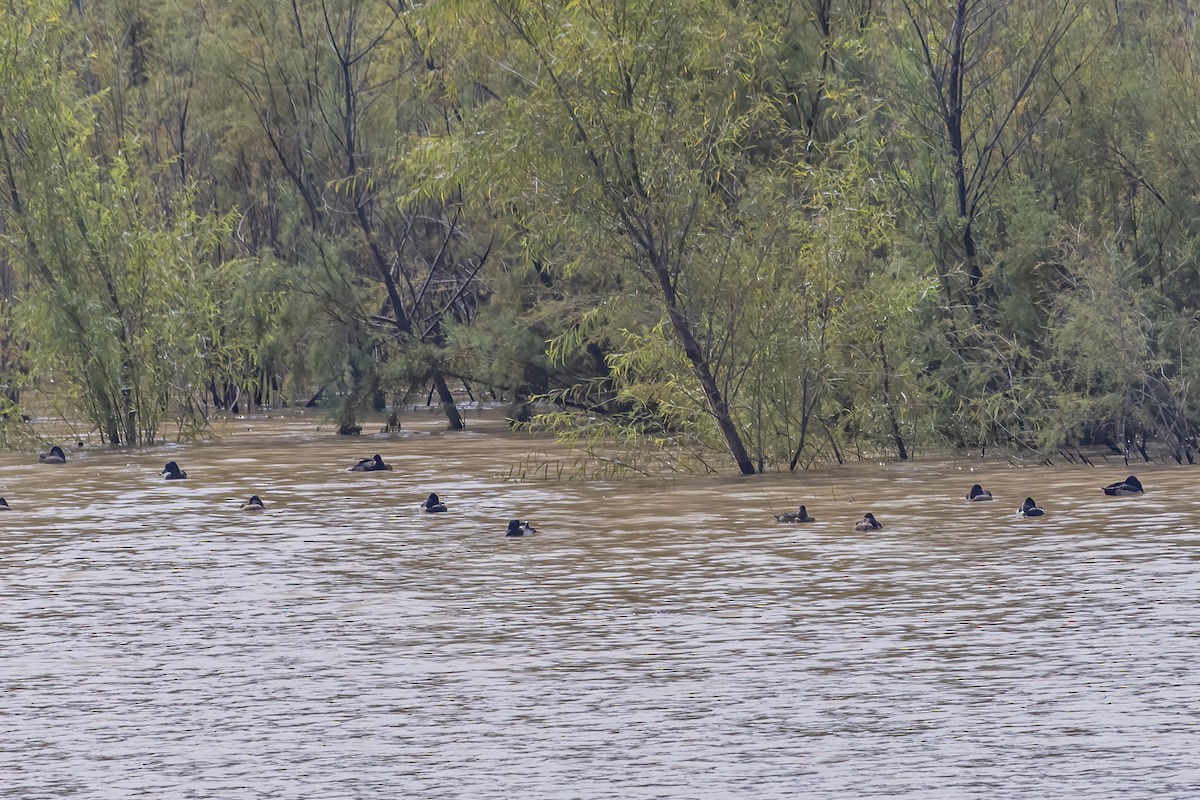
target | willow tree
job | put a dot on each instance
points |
(334, 86)
(1123, 357)
(970, 88)
(125, 292)
(626, 132)
(968, 82)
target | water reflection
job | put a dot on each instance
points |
(665, 641)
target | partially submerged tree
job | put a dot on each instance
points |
(630, 124)
(333, 104)
(127, 298)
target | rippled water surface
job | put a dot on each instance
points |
(654, 640)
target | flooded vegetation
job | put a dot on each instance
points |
(775, 235)
(757, 261)
(654, 639)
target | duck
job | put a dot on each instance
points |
(55, 456)
(4, 505)
(518, 528)
(1030, 509)
(868, 523)
(253, 506)
(375, 464)
(432, 504)
(1130, 485)
(979, 493)
(172, 472)
(795, 516)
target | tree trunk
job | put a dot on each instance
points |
(955, 108)
(887, 403)
(454, 420)
(716, 401)
(682, 325)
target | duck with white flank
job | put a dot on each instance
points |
(375, 464)
(518, 528)
(433, 505)
(1129, 486)
(868, 523)
(1030, 509)
(795, 516)
(979, 493)
(172, 472)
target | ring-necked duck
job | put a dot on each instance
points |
(979, 493)
(795, 516)
(868, 523)
(253, 505)
(375, 464)
(1130, 485)
(432, 504)
(172, 472)
(4, 505)
(518, 528)
(1030, 509)
(55, 456)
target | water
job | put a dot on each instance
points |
(655, 640)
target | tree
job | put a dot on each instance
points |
(127, 294)
(632, 124)
(330, 104)
(968, 75)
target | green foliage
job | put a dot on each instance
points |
(782, 232)
(127, 306)
(128, 303)
(1125, 361)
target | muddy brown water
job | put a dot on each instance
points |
(655, 640)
